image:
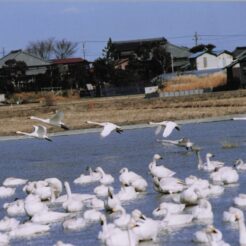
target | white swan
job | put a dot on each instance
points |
(173, 220)
(106, 179)
(159, 171)
(60, 243)
(38, 132)
(71, 204)
(92, 215)
(33, 205)
(173, 208)
(169, 185)
(6, 191)
(225, 175)
(102, 190)
(203, 211)
(183, 142)
(86, 179)
(209, 165)
(240, 200)
(108, 127)
(190, 196)
(131, 178)
(28, 229)
(56, 186)
(203, 236)
(127, 193)
(114, 236)
(95, 203)
(230, 216)
(242, 227)
(15, 208)
(55, 120)
(240, 165)
(145, 228)
(8, 224)
(13, 182)
(123, 220)
(74, 224)
(167, 125)
(4, 239)
(47, 217)
(112, 201)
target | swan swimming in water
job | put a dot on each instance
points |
(13, 182)
(55, 120)
(108, 127)
(240, 200)
(6, 191)
(168, 126)
(38, 132)
(93, 176)
(106, 179)
(15, 208)
(74, 224)
(183, 142)
(159, 171)
(240, 165)
(173, 208)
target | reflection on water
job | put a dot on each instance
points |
(68, 156)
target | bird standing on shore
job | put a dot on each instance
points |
(55, 120)
(167, 125)
(108, 127)
(38, 132)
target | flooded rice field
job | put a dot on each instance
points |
(68, 156)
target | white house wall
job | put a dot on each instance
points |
(206, 61)
(224, 59)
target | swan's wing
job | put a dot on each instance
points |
(35, 130)
(41, 131)
(58, 117)
(108, 128)
(168, 129)
(238, 118)
(158, 130)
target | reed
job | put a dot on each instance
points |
(191, 82)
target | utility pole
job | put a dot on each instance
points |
(196, 38)
(83, 48)
(3, 52)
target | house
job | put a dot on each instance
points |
(23, 70)
(238, 50)
(210, 59)
(236, 72)
(125, 49)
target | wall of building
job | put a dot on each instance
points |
(224, 59)
(206, 61)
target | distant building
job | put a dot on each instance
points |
(126, 49)
(238, 51)
(210, 59)
(236, 72)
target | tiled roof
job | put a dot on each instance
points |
(67, 60)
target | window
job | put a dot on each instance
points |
(205, 62)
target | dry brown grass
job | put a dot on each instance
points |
(123, 110)
(191, 82)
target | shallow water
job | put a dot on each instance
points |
(68, 156)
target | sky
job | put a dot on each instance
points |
(92, 23)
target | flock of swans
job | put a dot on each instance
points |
(190, 198)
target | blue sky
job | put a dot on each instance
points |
(93, 22)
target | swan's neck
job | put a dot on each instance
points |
(242, 231)
(24, 133)
(68, 190)
(200, 162)
(101, 172)
(208, 161)
(39, 119)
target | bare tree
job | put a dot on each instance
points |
(64, 48)
(43, 49)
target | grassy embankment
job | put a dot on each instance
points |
(123, 110)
